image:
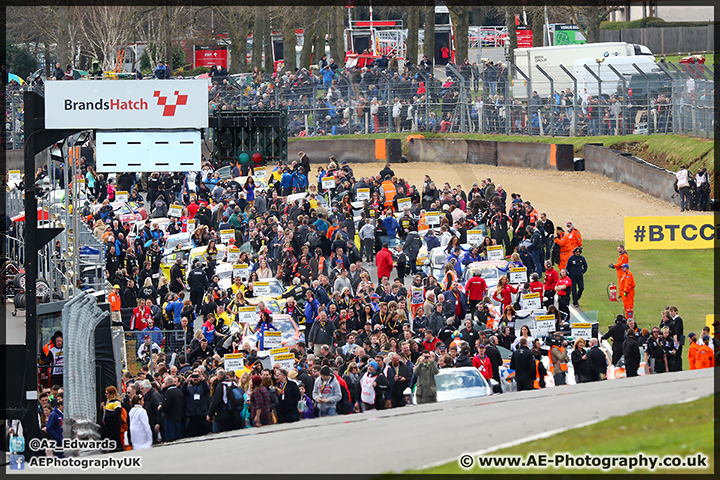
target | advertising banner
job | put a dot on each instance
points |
(671, 232)
(106, 105)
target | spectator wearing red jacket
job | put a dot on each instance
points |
(475, 289)
(551, 279)
(141, 315)
(431, 341)
(384, 262)
(482, 362)
(536, 285)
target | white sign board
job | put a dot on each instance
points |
(233, 361)
(272, 340)
(578, 330)
(259, 173)
(15, 176)
(261, 289)
(286, 360)
(111, 105)
(363, 194)
(328, 183)
(404, 202)
(432, 218)
(175, 211)
(475, 237)
(227, 235)
(531, 300)
(242, 270)
(517, 275)
(545, 324)
(121, 196)
(495, 252)
(233, 255)
(191, 225)
(147, 150)
(246, 314)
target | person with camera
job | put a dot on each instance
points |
(425, 386)
(558, 357)
(617, 334)
(197, 398)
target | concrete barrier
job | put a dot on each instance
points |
(354, 151)
(438, 150)
(543, 156)
(481, 152)
(631, 171)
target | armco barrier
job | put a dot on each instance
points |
(631, 171)
(354, 151)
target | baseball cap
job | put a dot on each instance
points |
(569, 224)
(625, 265)
(691, 334)
(706, 338)
(374, 295)
(482, 345)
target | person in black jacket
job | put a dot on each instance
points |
(197, 399)
(617, 333)
(464, 360)
(173, 408)
(197, 283)
(402, 376)
(597, 362)
(576, 268)
(151, 400)
(288, 399)
(631, 352)
(523, 362)
(496, 360)
(580, 362)
(220, 406)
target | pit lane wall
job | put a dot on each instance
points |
(631, 171)
(542, 156)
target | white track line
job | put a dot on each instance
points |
(531, 438)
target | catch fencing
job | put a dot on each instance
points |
(163, 346)
(600, 100)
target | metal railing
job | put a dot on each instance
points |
(163, 346)
(674, 99)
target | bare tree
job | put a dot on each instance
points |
(105, 30)
(289, 39)
(413, 25)
(337, 30)
(308, 36)
(429, 42)
(592, 15)
(235, 20)
(460, 15)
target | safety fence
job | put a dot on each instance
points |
(160, 346)
(14, 136)
(586, 100)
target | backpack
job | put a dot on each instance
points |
(236, 399)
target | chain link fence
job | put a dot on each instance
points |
(672, 99)
(139, 351)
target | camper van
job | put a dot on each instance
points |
(550, 59)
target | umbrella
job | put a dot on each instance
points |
(42, 215)
(12, 76)
(204, 75)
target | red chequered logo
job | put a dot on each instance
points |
(169, 109)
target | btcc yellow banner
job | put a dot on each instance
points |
(671, 233)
